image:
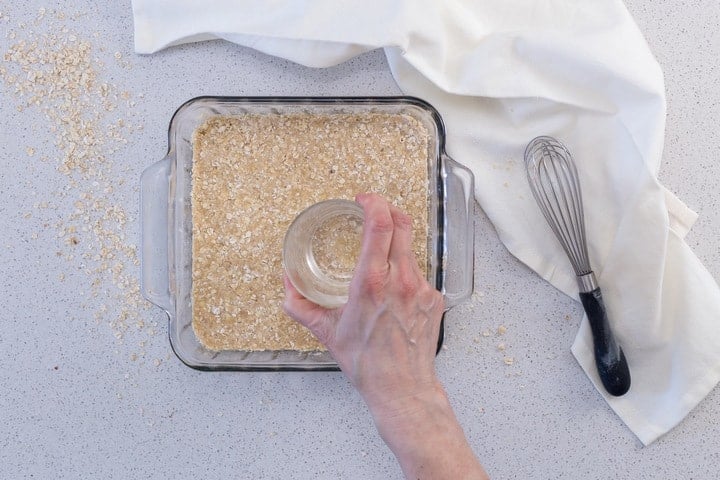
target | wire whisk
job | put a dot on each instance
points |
(555, 185)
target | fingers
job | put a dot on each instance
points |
(401, 252)
(377, 234)
(387, 259)
(407, 279)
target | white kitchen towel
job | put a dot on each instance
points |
(501, 72)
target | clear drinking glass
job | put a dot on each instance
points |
(321, 248)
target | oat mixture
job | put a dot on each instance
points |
(252, 175)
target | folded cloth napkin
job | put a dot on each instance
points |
(502, 72)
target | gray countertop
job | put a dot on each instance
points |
(91, 388)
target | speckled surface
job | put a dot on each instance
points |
(77, 402)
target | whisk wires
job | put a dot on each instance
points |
(554, 182)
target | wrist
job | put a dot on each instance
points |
(418, 413)
(425, 436)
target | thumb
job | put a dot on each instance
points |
(319, 320)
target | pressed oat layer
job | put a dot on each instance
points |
(252, 175)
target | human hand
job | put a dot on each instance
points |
(385, 337)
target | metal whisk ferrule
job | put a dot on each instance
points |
(587, 282)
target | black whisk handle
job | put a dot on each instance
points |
(609, 357)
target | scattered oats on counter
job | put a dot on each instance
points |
(54, 70)
(251, 175)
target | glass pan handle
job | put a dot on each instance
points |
(154, 215)
(458, 261)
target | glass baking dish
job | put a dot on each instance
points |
(166, 244)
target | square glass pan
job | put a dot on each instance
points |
(166, 213)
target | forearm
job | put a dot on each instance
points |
(426, 438)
